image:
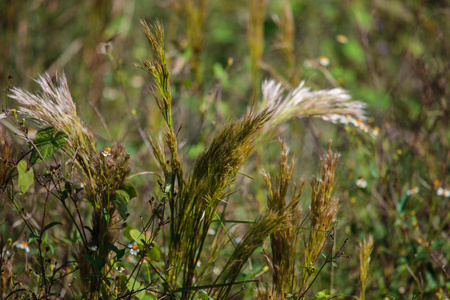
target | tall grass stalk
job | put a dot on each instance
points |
(365, 251)
(255, 39)
(284, 243)
(323, 211)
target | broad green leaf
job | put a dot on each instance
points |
(154, 253)
(25, 178)
(47, 144)
(120, 201)
(137, 236)
(204, 295)
(133, 285)
(322, 294)
(129, 189)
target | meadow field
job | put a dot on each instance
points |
(193, 149)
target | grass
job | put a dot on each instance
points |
(144, 164)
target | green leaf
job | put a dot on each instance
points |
(47, 144)
(120, 201)
(402, 203)
(136, 236)
(89, 259)
(98, 262)
(129, 189)
(322, 294)
(120, 254)
(204, 295)
(33, 237)
(48, 226)
(154, 253)
(25, 178)
(374, 171)
(148, 297)
(112, 247)
(133, 285)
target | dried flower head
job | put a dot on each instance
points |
(330, 105)
(54, 107)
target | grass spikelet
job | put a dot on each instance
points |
(302, 102)
(214, 171)
(284, 243)
(323, 211)
(157, 67)
(365, 251)
(267, 224)
(54, 107)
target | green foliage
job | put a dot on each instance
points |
(26, 178)
(46, 144)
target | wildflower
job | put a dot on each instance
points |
(361, 183)
(24, 246)
(120, 269)
(342, 39)
(134, 250)
(443, 192)
(436, 183)
(106, 153)
(105, 48)
(216, 270)
(364, 128)
(324, 61)
(211, 231)
(375, 131)
(412, 191)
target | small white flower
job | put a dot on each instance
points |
(361, 183)
(342, 39)
(120, 269)
(24, 246)
(107, 152)
(443, 192)
(211, 231)
(376, 131)
(216, 270)
(199, 264)
(134, 249)
(412, 191)
(324, 61)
